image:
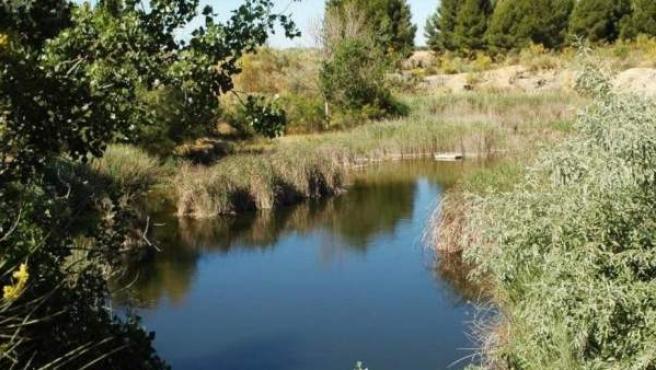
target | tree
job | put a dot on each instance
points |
(641, 21)
(515, 24)
(440, 26)
(71, 79)
(599, 20)
(390, 21)
(471, 24)
(353, 79)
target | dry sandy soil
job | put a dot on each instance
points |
(641, 81)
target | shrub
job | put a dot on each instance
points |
(353, 79)
(264, 116)
(305, 114)
(570, 248)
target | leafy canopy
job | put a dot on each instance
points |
(440, 26)
(599, 20)
(390, 21)
(516, 24)
(74, 78)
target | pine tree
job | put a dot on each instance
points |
(641, 21)
(440, 26)
(390, 21)
(471, 24)
(599, 20)
(516, 23)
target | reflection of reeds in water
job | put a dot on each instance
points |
(379, 199)
(451, 268)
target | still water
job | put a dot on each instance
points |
(317, 286)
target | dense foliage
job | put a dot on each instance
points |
(353, 80)
(471, 24)
(641, 21)
(599, 20)
(440, 27)
(389, 20)
(467, 25)
(571, 247)
(264, 116)
(74, 78)
(519, 23)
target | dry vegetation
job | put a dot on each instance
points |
(285, 170)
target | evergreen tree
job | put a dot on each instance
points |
(599, 20)
(641, 21)
(390, 21)
(471, 24)
(516, 23)
(440, 26)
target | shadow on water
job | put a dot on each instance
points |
(359, 247)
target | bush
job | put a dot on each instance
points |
(570, 248)
(305, 114)
(354, 80)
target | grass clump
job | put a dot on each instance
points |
(129, 168)
(249, 182)
(570, 248)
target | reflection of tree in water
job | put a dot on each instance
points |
(381, 197)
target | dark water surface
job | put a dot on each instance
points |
(317, 286)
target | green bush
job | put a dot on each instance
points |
(264, 116)
(353, 80)
(305, 114)
(571, 247)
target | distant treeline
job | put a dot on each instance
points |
(472, 25)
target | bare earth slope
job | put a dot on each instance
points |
(521, 79)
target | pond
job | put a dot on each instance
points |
(317, 286)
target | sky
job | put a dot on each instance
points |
(308, 13)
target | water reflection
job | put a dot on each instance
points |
(315, 286)
(377, 200)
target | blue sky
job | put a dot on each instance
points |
(307, 13)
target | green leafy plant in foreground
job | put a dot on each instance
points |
(71, 82)
(571, 247)
(264, 116)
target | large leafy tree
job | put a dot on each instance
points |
(515, 24)
(72, 79)
(389, 21)
(471, 24)
(599, 20)
(440, 26)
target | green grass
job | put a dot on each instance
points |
(130, 169)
